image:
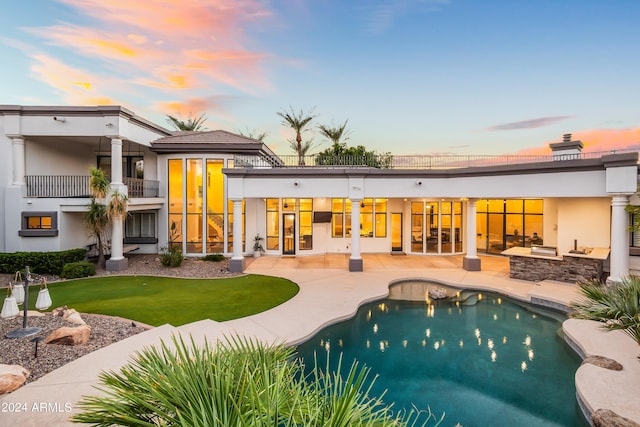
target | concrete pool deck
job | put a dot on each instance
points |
(329, 293)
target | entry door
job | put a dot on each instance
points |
(289, 234)
(396, 232)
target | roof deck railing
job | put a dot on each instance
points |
(389, 161)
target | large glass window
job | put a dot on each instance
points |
(505, 223)
(194, 205)
(373, 218)
(175, 202)
(273, 224)
(417, 219)
(305, 224)
(337, 217)
(215, 206)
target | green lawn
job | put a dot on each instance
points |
(160, 300)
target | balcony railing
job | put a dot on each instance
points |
(52, 186)
(389, 161)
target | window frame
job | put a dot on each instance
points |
(25, 231)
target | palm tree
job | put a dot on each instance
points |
(337, 135)
(97, 217)
(192, 124)
(298, 122)
(617, 306)
(100, 214)
(253, 134)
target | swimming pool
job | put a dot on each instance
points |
(481, 358)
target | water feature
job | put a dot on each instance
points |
(481, 358)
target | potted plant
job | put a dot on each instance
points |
(257, 245)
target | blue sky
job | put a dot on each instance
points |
(411, 76)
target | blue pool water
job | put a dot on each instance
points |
(486, 361)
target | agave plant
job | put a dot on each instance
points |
(239, 382)
(617, 306)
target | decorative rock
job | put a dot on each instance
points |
(12, 377)
(77, 335)
(437, 293)
(603, 362)
(68, 314)
(607, 418)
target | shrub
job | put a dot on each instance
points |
(74, 270)
(617, 306)
(214, 257)
(171, 257)
(240, 383)
(40, 262)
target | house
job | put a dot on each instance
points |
(212, 192)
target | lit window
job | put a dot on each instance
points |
(39, 224)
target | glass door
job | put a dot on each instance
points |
(289, 234)
(396, 232)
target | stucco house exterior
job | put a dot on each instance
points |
(214, 191)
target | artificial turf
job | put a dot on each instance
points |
(159, 300)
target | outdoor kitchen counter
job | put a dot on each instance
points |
(567, 267)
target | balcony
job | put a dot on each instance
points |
(63, 186)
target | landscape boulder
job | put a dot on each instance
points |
(603, 362)
(12, 377)
(76, 335)
(68, 314)
(607, 418)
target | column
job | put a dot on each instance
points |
(18, 160)
(236, 264)
(117, 262)
(116, 161)
(355, 260)
(619, 258)
(471, 262)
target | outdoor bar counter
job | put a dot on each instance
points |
(544, 264)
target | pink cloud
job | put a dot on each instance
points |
(76, 86)
(172, 46)
(596, 140)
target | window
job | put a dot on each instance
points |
(39, 224)
(273, 224)
(634, 238)
(373, 218)
(305, 224)
(140, 227)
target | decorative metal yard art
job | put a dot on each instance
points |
(11, 303)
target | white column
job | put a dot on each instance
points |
(471, 262)
(619, 260)
(355, 260)
(236, 263)
(117, 236)
(116, 162)
(18, 160)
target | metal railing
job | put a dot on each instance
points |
(52, 186)
(389, 161)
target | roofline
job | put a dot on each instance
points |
(86, 111)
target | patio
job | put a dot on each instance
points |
(329, 293)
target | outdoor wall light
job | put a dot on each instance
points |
(59, 119)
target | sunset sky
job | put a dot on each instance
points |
(411, 76)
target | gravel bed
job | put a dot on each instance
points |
(105, 330)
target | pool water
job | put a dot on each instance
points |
(485, 361)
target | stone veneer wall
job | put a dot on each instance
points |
(568, 269)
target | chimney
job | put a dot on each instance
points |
(567, 149)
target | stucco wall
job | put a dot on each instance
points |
(585, 220)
